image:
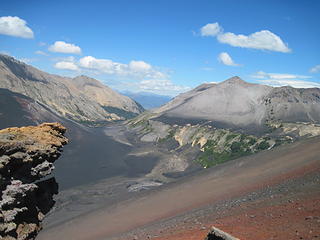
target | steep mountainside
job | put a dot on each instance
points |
(80, 98)
(221, 122)
(90, 152)
(237, 104)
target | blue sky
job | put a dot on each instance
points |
(164, 46)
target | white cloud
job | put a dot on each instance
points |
(285, 79)
(263, 40)
(315, 69)
(158, 86)
(41, 53)
(211, 29)
(27, 60)
(66, 66)
(63, 47)
(137, 69)
(292, 83)
(138, 75)
(102, 65)
(139, 66)
(65, 59)
(15, 26)
(262, 75)
(226, 59)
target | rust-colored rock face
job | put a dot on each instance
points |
(26, 155)
(47, 134)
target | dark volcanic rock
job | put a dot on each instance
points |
(217, 234)
(26, 155)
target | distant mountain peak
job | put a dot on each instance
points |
(235, 103)
(234, 80)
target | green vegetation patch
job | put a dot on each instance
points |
(263, 145)
(211, 156)
(231, 136)
(168, 137)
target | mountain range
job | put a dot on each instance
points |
(205, 127)
(81, 98)
(237, 104)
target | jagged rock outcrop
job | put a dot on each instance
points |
(82, 98)
(27, 155)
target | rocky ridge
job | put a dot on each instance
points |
(27, 155)
(237, 104)
(81, 98)
(258, 118)
(212, 145)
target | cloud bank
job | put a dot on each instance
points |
(285, 79)
(135, 69)
(140, 75)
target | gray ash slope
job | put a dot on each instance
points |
(235, 103)
(81, 98)
(90, 155)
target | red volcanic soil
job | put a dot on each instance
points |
(292, 219)
(274, 194)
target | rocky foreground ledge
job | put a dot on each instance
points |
(27, 155)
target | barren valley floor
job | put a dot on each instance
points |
(270, 195)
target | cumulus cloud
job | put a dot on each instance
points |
(285, 79)
(66, 66)
(137, 69)
(211, 29)
(226, 59)
(27, 60)
(135, 75)
(262, 40)
(161, 85)
(139, 66)
(66, 63)
(41, 53)
(315, 69)
(15, 26)
(157, 86)
(63, 47)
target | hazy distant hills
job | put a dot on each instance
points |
(236, 103)
(148, 100)
(82, 98)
